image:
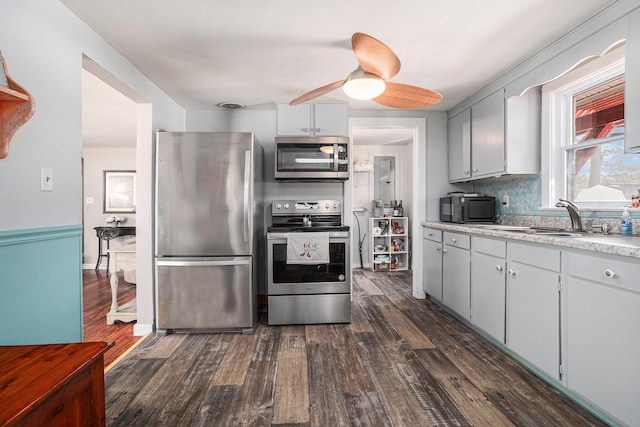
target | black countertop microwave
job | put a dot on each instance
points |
(462, 208)
(322, 158)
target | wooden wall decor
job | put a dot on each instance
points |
(16, 107)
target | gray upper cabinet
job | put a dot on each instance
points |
(496, 136)
(632, 85)
(312, 120)
(459, 131)
(487, 136)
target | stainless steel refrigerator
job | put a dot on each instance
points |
(209, 230)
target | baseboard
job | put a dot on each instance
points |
(141, 329)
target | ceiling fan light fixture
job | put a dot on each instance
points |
(363, 85)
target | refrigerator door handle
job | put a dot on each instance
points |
(247, 177)
(203, 263)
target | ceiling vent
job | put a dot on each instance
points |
(231, 105)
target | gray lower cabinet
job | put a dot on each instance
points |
(572, 315)
(456, 273)
(602, 332)
(488, 285)
(432, 263)
(533, 305)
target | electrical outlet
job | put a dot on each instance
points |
(46, 179)
(505, 200)
(89, 200)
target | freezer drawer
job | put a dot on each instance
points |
(205, 294)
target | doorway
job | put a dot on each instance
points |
(412, 180)
(113, 120)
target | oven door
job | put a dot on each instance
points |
(298, 279)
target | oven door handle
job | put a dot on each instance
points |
(247, 178)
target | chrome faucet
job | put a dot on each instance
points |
(574, 213)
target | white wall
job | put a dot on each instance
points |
(96, 161)
(43, 45)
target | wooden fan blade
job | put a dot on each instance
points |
(317, 92)
(374, 56)
(398, 95)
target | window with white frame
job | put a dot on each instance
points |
(583, 113)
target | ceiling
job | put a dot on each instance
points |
(256, 52)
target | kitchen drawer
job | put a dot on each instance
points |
(432, 234)
(458, 240)
(537, 256)
(497, 248)
(608, 271)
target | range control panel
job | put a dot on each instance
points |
(306, 207)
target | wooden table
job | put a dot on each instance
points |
(122, 258)
(107, 234)
(52, 385)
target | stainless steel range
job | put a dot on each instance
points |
(303, 289)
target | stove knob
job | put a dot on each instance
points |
(286, 205)
(278, 205)
(326, 205)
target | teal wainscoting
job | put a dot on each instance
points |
(41, 285)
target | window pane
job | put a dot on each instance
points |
(603, 173)
(599, 111)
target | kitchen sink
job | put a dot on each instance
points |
(554, 232)
(539, 231)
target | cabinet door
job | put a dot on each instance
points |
(456, 290)
(487, 140)
(602, 323)
(459, 145)
(533, 315)
(432, 280)
(293, 120)
(331, 120)
(488, 294)
(632, 84)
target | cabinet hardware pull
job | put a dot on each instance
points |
(444, 251)
(610, 273)
(304, 129)
(499, 267)
(511, 272)
(466, 172)
(318, 129)
(453, 240)
(474, 169)
(438, 249)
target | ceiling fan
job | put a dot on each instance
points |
(378, 64)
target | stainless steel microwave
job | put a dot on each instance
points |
(467, 208)
(312, 158)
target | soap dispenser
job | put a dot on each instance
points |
(626, 226)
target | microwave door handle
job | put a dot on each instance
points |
(335, 157)
(247, 177)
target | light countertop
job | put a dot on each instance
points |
(614, 244)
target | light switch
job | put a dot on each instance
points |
(46, 179)
(89, 200)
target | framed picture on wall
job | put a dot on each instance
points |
(119, 191)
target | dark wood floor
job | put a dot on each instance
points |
(96, 301)
(401, 362)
